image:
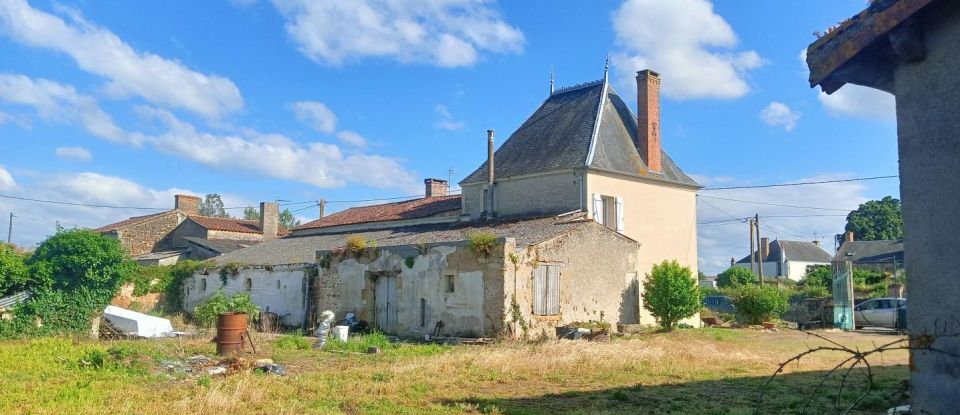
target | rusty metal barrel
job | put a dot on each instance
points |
(231, 329)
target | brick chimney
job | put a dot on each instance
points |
(848, 236)
(764, 248)
(648, 118)
(269, 220)
(436, 187)
(187, 204)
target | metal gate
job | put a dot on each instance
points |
(843, 295)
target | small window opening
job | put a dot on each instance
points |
(423, 312)
(278, 284)
(248, 284)
(450, 287)
(203, 284)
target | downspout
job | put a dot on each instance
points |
(490, 174)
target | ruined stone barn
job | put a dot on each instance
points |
(560, 224)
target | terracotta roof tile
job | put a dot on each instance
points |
(409, 209)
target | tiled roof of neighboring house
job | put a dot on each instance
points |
(801, 251)
(131, 221)
(303, 250)
(871, 251)
(867, 30)
(232, 225)
(222, 246)
(560, 134)
(408, 209)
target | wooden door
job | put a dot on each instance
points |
(386, 303)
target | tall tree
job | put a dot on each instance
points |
(249, 213)
(287, 220)
(877, 220)
(212, 205)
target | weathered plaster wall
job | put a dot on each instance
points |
(928, 95)
(475, 307)
(527, 196)
(150, 235)
(598, 275)
(280, 288)
(662, 219)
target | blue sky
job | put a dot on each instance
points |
(128, 103)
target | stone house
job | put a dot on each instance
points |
(909, 48)
(787, 259)
(884, 255)
(580, 202)
(182, 233)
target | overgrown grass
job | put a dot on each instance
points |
(711, 371)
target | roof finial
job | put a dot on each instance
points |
(551, 79)
(606, 67)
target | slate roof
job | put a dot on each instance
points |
(222, 246)
(560, 133)
(130, 221)
(801, 251)
(303, 249)
(408, 209)
(227, 224)
(865, 252)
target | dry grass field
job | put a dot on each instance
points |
(709, 371)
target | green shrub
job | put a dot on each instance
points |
(671, 294)
(205, 314)
(13, 270)
(482, 243)
(294, 341)
(756, 304)
(735, 276)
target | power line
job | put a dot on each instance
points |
(56, 202)
(776, 204)
(718, 209)
(761, 186)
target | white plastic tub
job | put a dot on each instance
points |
(341, 333)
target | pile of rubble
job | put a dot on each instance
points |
(201, 365)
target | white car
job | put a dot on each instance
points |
(879, 312)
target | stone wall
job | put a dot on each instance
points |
(150, 235)
(552, 193)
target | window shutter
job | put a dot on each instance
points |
(539, 290)
(553, 290)
(598, 208)
(620, 214)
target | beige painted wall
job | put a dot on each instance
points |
(551, 193)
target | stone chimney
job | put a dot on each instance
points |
(648, 118)
(764, 248)
(733, 261)
(187, 204)
(269, 220)
(436, 187)
(848, 236)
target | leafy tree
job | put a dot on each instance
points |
(819, 276)
(877, 220)
(759, 303)
(13, 271)
(735, 276)
(671, 294)
(212, 205)
(249, 213)
(287, 220)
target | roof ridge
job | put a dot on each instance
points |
(596, 123)
(576, 87)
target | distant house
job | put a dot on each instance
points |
(788, 259)
(571, 213)
(878, 255)
(182, 233)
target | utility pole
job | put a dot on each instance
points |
(323, 205)
(756, 222)
(753, 265)
(10, 229)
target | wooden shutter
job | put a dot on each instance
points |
(539, 290)
(620, 214)
(552, 293)
(598, 208)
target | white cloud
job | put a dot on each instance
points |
(75, 153)
(129, 72)
(447, 122)
(859, 101)
(34, 221)
(6, 180)
(352, 138)
(692, 47)
(718, 242)
(317, 115)
(778, 114)
(319, 164)
(59, 102)
(448, 33)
